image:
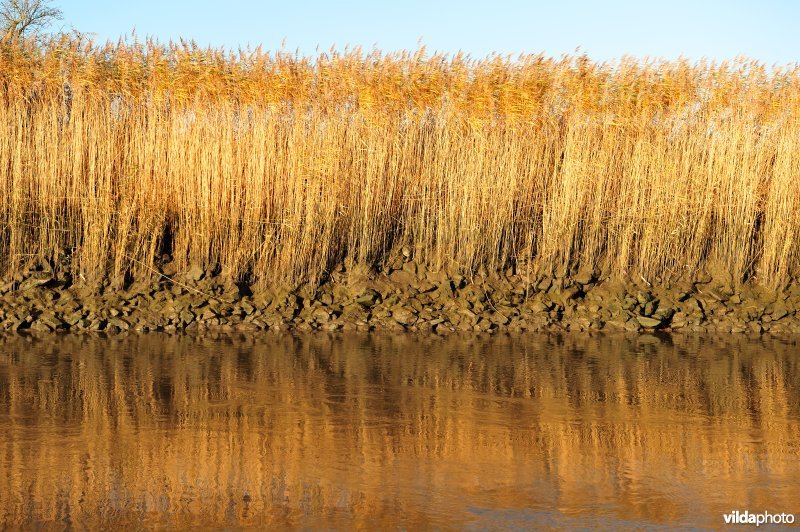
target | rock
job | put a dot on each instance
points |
(679, 320)
(402, 278)
(425, 286)
(585, 276)
(247, 308)
(119, 323)
(457, 282)
(50, 319)
(186, 317)
(483, 325)
(568, 294)
(702, 277)
(779, 312)
(650, 308)
(395, 264)
(632, 325)
(169, 269)
(40, 327)
(195, 272)
(208, 314)
(542, 306)
(644, 297)
(36, 280)
(693, 306)
(718, 295)
(403, 316)
(473, 294)
(544, 285)
(416, 305)
(353, 311)
(464, 316)
(369, 298)
(506, 310)
(438, 277)
(650, 323)
(340, 292)
(629, 303)
(664, 314)
(408, 298)
(499, 318)
(320, 315)
(332, 326)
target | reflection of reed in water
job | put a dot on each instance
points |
(349, 430)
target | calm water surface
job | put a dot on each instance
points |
(378, 431)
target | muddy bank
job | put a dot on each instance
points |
(404, 296)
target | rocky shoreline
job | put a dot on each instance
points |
(403, 296)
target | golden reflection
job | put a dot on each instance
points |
(363, 430)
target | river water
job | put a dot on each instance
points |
(529, 431)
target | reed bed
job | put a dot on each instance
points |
(276, 167)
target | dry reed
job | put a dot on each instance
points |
(277, 166)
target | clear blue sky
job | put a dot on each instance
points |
(716, 29)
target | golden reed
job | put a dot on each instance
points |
(278, 166)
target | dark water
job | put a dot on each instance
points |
(381, 431)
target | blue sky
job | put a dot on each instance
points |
(761, 29)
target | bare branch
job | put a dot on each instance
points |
(19, 18)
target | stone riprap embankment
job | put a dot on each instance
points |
(403, 296)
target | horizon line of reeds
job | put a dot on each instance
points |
(277, 166)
